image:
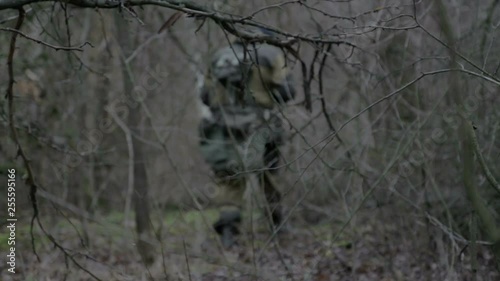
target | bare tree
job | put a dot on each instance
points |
(398, 102)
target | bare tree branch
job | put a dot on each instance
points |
(57, 48)
(454, 52)
(483, 164)
(30, 181)
(321, 92)
(227, 22)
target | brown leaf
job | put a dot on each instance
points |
(171, 21)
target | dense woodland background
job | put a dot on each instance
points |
(383, 199)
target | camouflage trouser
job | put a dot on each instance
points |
(235, 152)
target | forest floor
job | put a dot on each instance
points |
(375, 245)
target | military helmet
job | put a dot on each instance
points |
(232, 62)
(227, 63)
(255, 73)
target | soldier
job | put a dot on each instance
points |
(240, 132)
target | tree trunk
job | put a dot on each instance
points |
(140, 182)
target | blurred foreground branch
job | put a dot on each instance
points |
(482, 162)
(469, 143)
(30, 180)
(228, 22)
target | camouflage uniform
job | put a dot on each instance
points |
(242, 132)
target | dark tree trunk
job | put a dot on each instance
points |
(140, 188)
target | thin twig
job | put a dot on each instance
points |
(66, 22)
(307, 83)
(65, 252)
(473, 245)
(321, 93)
(453, 52)
(57, 48)
(487, 27)
(187, 259)
(27, 11)
(306, 88)
(329, 121)
(483, 164)
(450, 232)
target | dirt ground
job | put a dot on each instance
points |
(376, 245)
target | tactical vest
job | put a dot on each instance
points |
(239, 92)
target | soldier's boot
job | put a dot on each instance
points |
(227, 227)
